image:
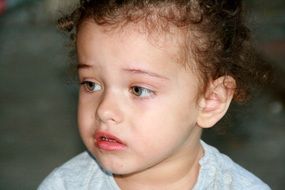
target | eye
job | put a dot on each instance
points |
(91, 86)
(141, 92)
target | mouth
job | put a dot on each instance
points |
(108, 142)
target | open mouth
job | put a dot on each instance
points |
(108, 139)
(108, 142)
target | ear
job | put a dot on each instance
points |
(216, 101)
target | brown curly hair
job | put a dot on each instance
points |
(215, 32)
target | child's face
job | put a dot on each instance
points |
(137, 108)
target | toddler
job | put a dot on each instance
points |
(153, 74)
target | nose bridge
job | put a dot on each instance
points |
(108, 110)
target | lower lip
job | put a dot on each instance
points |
(110, 146)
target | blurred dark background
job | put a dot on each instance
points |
(38, 97)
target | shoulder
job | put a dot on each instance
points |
(78, 173)
(218, 171)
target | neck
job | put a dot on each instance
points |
(179, 172)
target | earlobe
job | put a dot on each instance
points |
(215, 102)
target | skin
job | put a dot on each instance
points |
(138, 92)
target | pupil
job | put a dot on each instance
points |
(90, 84)
(137, 90)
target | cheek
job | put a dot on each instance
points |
(164, 128)
(83, 114)
(86, 117)
(87, 105)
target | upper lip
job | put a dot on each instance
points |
(99, 135)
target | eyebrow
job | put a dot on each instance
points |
(83, 66)
(144, 72)
(129, 70)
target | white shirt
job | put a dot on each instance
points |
(217, 172)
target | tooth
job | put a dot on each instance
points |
(103, 138)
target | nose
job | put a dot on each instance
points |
(108, 110)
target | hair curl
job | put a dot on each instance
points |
(216, 35)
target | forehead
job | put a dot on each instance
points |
(170, 41)
(124, 47)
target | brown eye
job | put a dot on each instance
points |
(141, 92)
(91, 86)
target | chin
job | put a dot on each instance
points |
(119, 168)
(116, 170)
(111, 165)
(115, 163)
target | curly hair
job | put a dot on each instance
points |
(215, 33)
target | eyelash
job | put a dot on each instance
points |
(135, 90)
